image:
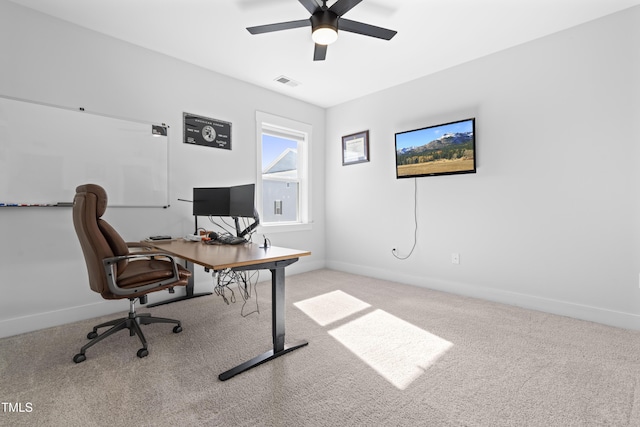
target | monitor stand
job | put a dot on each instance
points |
(250, 228)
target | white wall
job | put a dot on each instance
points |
(550, 220)
(43, 279)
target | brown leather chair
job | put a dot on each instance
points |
(116, 272)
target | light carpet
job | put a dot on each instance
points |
(379, 354)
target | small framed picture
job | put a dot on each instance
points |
(355, 148)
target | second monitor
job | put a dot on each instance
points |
(241, 198)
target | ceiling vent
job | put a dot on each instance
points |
(286, 81)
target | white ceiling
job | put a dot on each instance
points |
(432, 35)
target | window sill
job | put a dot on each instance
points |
(283, 228)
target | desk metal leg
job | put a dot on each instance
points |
(277, 322)
(190, 294)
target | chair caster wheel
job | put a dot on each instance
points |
(143, 352)
(79, 358)
(177, 329)
(92, 335)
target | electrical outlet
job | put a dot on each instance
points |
(455, 258)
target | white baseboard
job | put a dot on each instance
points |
(304, 266)
(34, 322)
(37, 321)
(562, 308)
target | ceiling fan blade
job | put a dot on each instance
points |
(343, 6)
(260, 29)
(320, 52)
(365, 29)
(311, 5)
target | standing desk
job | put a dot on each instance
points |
(241, 257)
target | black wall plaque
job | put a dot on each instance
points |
(205, 131)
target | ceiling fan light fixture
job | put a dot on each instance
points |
(324, 27)
(324, 35)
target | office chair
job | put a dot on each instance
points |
(116, 272)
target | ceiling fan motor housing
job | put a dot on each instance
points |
(324, 19)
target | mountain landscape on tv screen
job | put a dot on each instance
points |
(450, 153)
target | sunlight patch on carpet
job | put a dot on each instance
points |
(331, 307)
(399, 351)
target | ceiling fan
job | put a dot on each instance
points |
(325, 22)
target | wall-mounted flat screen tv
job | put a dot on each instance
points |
(445, 149)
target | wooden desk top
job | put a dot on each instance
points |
(219, 257)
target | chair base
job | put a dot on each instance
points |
(132, 322)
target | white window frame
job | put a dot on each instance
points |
(302, 132)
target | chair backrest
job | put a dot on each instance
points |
(97, 238)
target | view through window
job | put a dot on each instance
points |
(283, 188)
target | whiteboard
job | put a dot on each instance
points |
(47, 151)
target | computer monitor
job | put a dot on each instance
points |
(241, 199)
(211, 201)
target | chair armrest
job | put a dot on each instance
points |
(139, 246)
(110, 270)
(146, 249)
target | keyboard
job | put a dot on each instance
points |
(228, 239)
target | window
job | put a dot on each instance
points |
(282, 191)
